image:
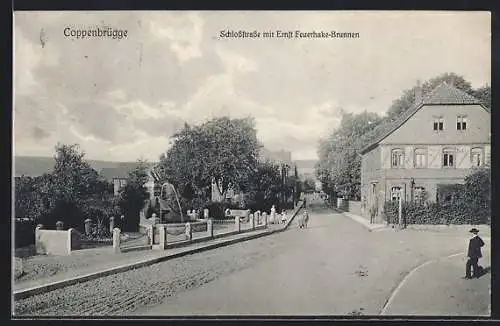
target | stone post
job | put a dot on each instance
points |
(237, 223)
(39, 227)
(210, 227)
(252, 221)
(112, 224)
(264, 218)
(155, 219)
(151, 234)
(189, 233)
(88, 226)
(162, 243)
(116, 240)
(69, 241)
(59, 226)
(206, 214)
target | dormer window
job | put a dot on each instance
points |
(438, 123)
(461, 122)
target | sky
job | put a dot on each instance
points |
(122, 99)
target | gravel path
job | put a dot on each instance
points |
(335, 254)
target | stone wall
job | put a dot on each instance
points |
(52, 242)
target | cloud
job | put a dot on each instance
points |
(123, 99)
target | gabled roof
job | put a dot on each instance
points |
(443, 94)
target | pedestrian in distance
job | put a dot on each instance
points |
(473, 255)
(283, 217)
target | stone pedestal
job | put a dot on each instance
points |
(88, 226)
(116, 240)
(237, 223)
(210, 228)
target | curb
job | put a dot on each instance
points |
(40, 289)
(394, 292)
(360, 220)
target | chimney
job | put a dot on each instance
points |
(418, 92)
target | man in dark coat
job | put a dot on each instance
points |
(473, 254)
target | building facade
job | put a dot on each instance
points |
(436, 142)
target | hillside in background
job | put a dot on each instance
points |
(36, 165)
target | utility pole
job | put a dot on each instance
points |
(400, 212)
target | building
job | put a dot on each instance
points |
(436, 142)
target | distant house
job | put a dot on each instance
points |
(434, 143)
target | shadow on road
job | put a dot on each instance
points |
(484, 271)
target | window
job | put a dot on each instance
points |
(419, 194)
(477, 156)
(448, 158)
(395, 193)
(397, 158)
(438, 123)
(461, 122)
(420, 158)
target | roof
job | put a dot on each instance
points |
(443, 94)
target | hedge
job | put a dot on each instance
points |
(434, 213)
(468, 203)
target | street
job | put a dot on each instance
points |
(334, 267)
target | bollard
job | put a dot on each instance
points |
(206, 214)
(237, 223)
(88, 226)
(162, 245)
(151, 234)
(69, 243)
(116, 240)
(189, 233)
(252, 221)
(39, 227)
(264, 219)
(59, 226)
(111, 224)
(210, 227)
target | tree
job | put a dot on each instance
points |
(133, 196)
(264, 186)
(71, 192)
(222, 149)
(31, 197)
(309, 185)
(407, 99)
(477, 191)
(339, 159)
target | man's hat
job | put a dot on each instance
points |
(474, 230)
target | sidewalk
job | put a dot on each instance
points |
(437, 289)
(363, 221)
(29, 288)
